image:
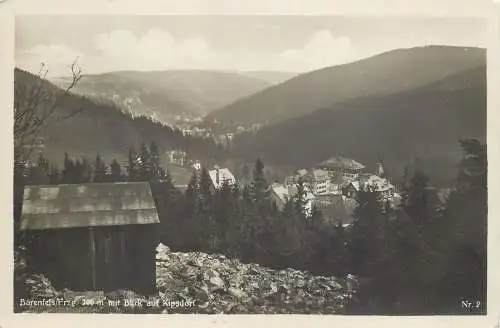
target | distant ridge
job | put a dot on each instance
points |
(424, 123)
(388, 73)
(164, 94)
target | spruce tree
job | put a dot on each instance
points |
(131, 167)
(77, 172)
(87, 171)
(68, 170)
(259, 184)
(155, 162)
(300, 200)
(205, 214)
(54, 175)
(366, 244)
(99, 170)
(416, 197)
(144, 163)
(464, 231)
(116, 171)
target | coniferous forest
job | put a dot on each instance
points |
(418, 258)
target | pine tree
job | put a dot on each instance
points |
(366, 243)
(300, 200)
(43, 163)
(116, 171)
(189, 223)
(100, 170)
(416, 198)
(464, 229)
(77, 172)
(132, 168)
(205, 210)
(40, 173)
(223, 214)
(205, 185)
(68, 173)
(54, 176)
(259, 184)
(156, 173)
(87, 171)
(288, 235)
(144, 163)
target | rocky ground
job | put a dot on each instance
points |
(201, 283)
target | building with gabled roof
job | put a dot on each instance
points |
(282, 194)
(338, 166)
(279, 194)
(221, 176)
(371, 182)
(320, 182)
(339, 162)
(95, 236)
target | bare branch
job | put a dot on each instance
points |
(35, 105)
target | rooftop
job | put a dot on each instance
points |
(87, 205)
(224, 175)
(342, 163)
(302, 172)
(281, 191)
(320, 174)
(380, 184)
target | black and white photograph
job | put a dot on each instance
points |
(250, 164)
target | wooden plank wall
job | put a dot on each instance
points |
(103, 258)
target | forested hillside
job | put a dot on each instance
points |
(165, 94)
(421, 124)
(86, 127)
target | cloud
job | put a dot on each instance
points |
(321, 50)
(155, 50)
(57, 58)
(158, 50)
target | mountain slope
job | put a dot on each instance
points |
(99, 127)
(272, 77)
(164, 94)
(388, 73)
(425, 123)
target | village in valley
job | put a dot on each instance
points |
(331, 186)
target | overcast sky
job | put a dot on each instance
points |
(284, 43)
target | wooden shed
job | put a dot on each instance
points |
(97, 236)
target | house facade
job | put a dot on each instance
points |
(297, 176)
(177, 157)
(320, 182)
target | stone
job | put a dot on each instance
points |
(238, 293)
(162, 249)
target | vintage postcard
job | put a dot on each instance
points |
(315, 164)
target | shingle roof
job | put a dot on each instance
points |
(87, 205)
(343, 163)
